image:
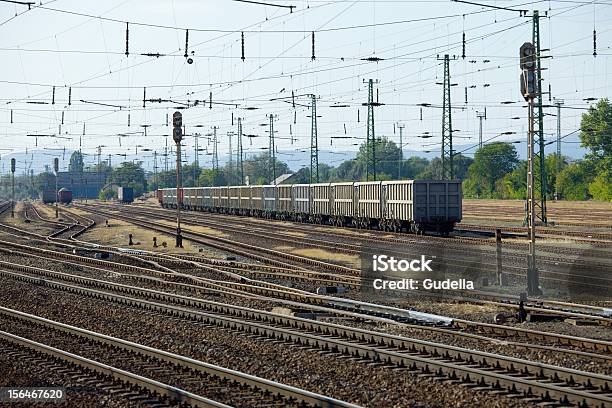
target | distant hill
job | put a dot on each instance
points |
(37, 159)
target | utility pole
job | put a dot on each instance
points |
(56, 170)
(480, 116)
(166, 156)
(215, 153)
(540, 169)
(239, 152)
(272, 149)
(314, 143)
(558, 104)
(371, 137)
(13, 188)
(177, 135)
(230, 166)
(401, 127)
(448, 172)
(196, 148)
(529, 84)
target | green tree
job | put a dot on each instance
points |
(596, 135)
(601, 188)
(433, 171)
(76, 162)
(211, 178)
(550, 164)
(491, 164)
(572, 182)
(387, 154)
(258, 170)
(130, 174)
(514, 184)
(413, 166)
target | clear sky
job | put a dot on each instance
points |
(81, 45)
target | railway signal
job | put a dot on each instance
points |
(13, 188)
(177, 135)
(530, 92)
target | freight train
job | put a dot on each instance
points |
(407, 205)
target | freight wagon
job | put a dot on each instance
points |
(125, 195)
(47, 196)
(406, 205)
(64, 196)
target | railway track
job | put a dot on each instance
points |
(483, 371)
(328, 306)
(335, 240)
(224, 387)
(584, 236)
(569, 310)
(591, 278)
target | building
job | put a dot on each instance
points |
(82, 185)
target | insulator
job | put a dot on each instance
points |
(293, 98)
(463, 49)
(119, 141)
(394, 128)
(421, 117)
(242, 58)
(144, 97)
(83, 128)
(291, 132)
(232, 118)
(127, 39)
(485, 113)
(594, 42)
(294, 118)
(466, 101)
(166, 119)
(210, 101)
(62, 117)
(186, 42)
(11, 116)
(358, 116)
(53, 97)
(128, 120)
(69, 96)
(345, 128)
(313, 47)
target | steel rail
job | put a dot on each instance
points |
(286, 391)
(154, 387)
(480, 369)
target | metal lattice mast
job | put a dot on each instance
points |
(215, 153)
(447, 125)
(371, 138)
(314, 144)
(272, 150)
(558, 103)
(539, 166)
(239, 152)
